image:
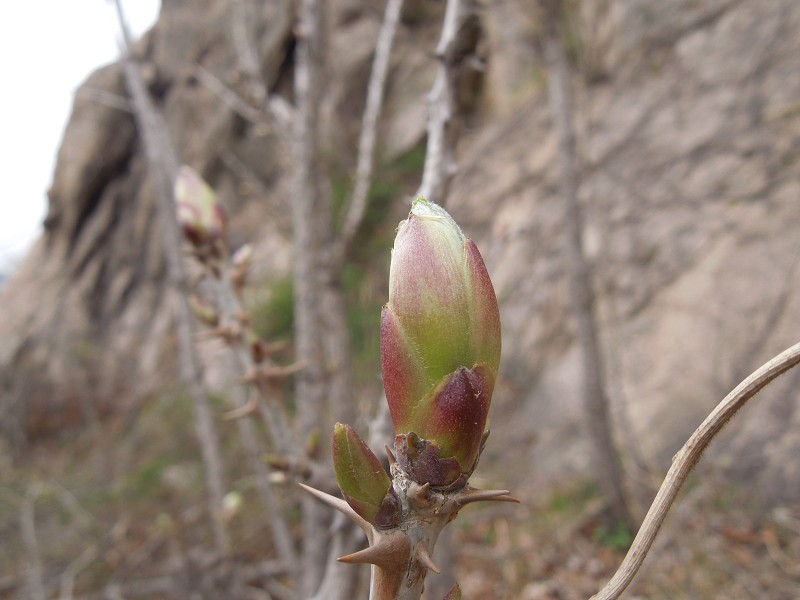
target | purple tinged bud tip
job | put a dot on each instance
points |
(200, 215)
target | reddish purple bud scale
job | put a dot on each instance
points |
(404, 376)
(458, 412)
(485, 330)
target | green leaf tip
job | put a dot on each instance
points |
(365, 485)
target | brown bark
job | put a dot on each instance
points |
(609, 467)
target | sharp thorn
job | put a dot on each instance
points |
(342, 506)
(421, 492)
(473, 495)
(246, 409)
(390, 551)
(423, 558)
(390, 456)
(354, 559)
(373, 555)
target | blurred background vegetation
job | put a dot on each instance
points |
(687, 127)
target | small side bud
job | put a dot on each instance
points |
(241, 261)
(200, 215)
(453, 594)
(243, 257)
(365, 485)
(203, 310)
(231, 505)
(312, 444)
(258, 349)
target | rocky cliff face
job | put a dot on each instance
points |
(690, 149)
(689, 134)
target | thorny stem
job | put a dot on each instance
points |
(401, 556)
(685, 460)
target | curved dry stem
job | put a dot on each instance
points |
(685, 460)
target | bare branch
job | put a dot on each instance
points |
(314, 273)
(104, 97)
(685, 460)
(163, 167)
(456, 45)
(595, 398)
(229, 307)
(369, 127)
(27, 520)
(227, 95)
(84, 559)
(246, 51)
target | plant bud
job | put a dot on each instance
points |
(203, 310)
(243, 257)
(440, 339)
(200, 215)
(231, 505)
(241, 262)
(365, 485)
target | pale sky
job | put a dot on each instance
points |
(47, 48)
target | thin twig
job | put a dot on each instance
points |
(245, 174)
(84, 559)
(369, 126)
(456, 45)
(312, 228)
(228, 95)
(247, 53)
(105, 98)
(35, 572)
(685, 460)
(610, 475)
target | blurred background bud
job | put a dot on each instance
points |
(200, 215)
(203, 310)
